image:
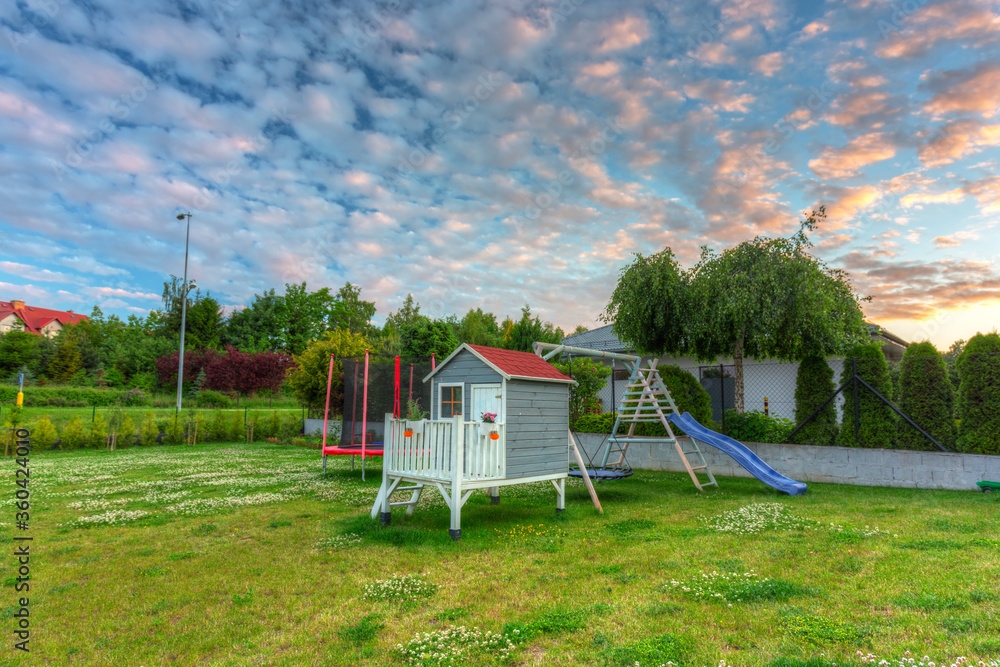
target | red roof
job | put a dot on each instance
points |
(35, 318)
(520, 364)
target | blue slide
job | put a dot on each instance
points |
(746, 458)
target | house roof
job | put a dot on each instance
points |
(601, 338)
(35, 318)
(512, 365)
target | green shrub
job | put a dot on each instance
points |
(73, 435)
(688, 394)
(174, 431)
(216, 427)
(97, 432)
(148, 431)
(44, 435)
(237, 428)
(126, 432)
(590, 376)
(206, 398)
(813, 386)
(979, 395)
(878, 421)
(926, 397)
(133, 398)
(755, 426)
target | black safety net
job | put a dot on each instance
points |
(381, 395)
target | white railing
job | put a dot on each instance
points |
(435, 449)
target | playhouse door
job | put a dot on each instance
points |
(486, 398)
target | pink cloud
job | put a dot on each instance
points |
(973, 90)
(846, 162)
(624, 34)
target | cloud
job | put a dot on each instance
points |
(115, 291)
(846, 162)
(913, 34)
(974, 90)
(624, 34)
(956, 140)
(769, 64)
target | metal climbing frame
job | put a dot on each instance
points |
(646, 400)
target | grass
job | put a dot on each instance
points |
(246, 554)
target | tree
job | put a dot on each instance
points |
(767, 298)
(521, 334)
(813, 386)
(67, 360)
(878, 422)
(950, 359)
(308, 378)
(925, 396)
(479, 328)
(258, 327)
(350, 312)
(204, 324)
(17, 349)
(408, 314)
(979, 395)
(426, 336)
(688, 394)
(306, 316)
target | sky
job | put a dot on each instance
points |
(495, 154)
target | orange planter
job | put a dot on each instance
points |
(494, 436)
(408, 433)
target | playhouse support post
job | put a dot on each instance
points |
(386, 510)
(457, 463)
(495, 495)
(560, 485)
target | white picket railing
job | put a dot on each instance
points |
(437, 448)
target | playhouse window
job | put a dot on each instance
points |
(451, 401)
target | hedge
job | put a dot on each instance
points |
(755, 426)
(926, 396)
(63, 396)
(878, 421)
(150, 429)
(813, 386)
(979, 395)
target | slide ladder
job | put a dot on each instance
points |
(646, 400)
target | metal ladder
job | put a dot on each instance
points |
(646, 400)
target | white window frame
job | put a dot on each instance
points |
(440, 401)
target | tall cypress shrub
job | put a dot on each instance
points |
(926, 397)
(813, 385)
(979, 395)
(878, 421)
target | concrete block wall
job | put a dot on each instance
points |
(807, 463)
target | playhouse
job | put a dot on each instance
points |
(456, 452)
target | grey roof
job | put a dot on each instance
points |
(601, 338)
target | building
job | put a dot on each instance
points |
(767, 384)
(16, 316)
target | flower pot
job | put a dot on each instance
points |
(485, 428)
(415, 428)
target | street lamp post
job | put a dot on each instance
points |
(184, 295)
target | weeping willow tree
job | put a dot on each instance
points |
(767, 298)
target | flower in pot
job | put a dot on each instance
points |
(415, 416)
(487, 427)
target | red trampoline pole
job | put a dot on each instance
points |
(326, 412)
(432, 361)
(411, 381)
(395, 406)
(364, 419)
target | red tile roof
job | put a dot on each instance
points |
(520, 364)
(35, 318)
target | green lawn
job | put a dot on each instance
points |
(246, 554)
